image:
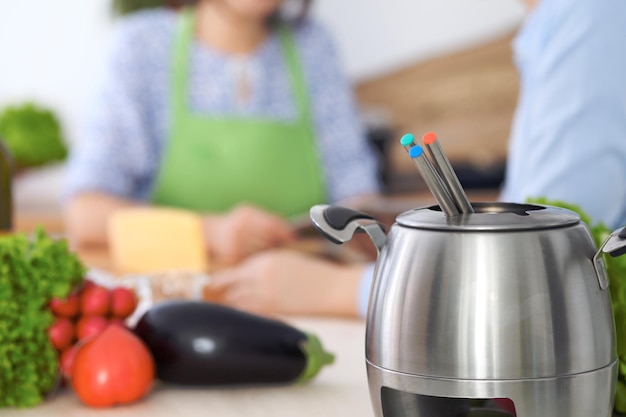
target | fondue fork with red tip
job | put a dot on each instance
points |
(442, 164)
(433, 181)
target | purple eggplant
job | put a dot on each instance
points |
(199, 343)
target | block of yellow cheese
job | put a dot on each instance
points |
(148, 239)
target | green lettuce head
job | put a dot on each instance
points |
(32, 134)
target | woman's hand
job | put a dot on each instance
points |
(86, 217)
(287, 282)
(242, 232)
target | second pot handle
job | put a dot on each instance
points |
(614, 245)
(338, 224)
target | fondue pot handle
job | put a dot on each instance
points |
(614, 245)
(339, 224)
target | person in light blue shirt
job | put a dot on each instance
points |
(568, 139)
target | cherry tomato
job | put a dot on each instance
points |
(95, 301)
(61, 333)
(116, 321)
(67, 360)
(89, 326)
(123, 302)
(115, 367)
(68, 307)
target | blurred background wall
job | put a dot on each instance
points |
(379, 36)
(416, 64)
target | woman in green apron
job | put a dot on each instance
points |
(214, 164)
(256, 125)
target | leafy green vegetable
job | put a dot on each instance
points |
(32, 135)
(32, 271)
(616, 269)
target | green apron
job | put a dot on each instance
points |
(212, 164)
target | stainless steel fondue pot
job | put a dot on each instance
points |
(508, 303)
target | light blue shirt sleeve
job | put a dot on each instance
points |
(568, 140)
(365, 286)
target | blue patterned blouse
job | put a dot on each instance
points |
(124, 135)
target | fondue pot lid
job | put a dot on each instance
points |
(492, 216)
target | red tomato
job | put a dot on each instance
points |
(89, 326)
(114, 367)
(95, 301)
(65, 308)
(61, 333)
(67, 360)
(123, 302)
(116, 321)
(87, 283)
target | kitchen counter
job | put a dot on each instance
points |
(339, 390)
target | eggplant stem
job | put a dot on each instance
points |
(316, 357)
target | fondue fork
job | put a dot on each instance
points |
(443, 166)
(433, 181)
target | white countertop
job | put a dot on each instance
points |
(339, 390)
